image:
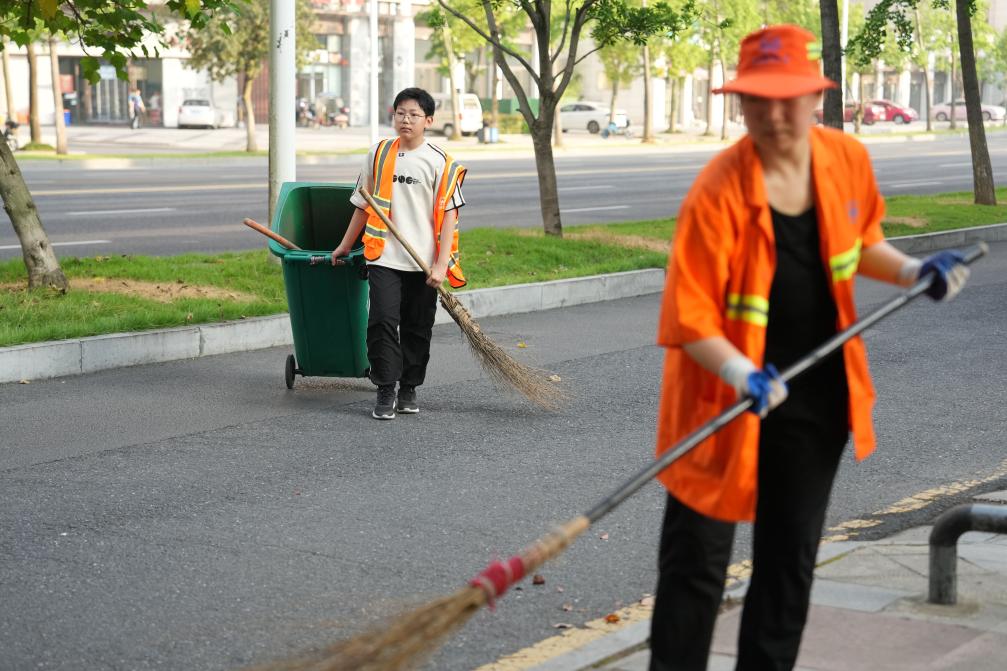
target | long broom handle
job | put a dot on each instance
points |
(395, 231)
(254, 225)
(801, 366)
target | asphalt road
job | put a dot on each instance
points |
(172, 206)
(197, 514)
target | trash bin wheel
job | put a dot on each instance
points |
(288, 373)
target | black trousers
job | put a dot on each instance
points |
(797, 466)
(399, 325)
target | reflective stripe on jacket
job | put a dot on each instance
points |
(719, 275)
(375, 231)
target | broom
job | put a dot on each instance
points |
(414, 636)
(533, 384)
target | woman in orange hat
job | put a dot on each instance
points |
(762, 270)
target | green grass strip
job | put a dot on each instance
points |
(491, 257)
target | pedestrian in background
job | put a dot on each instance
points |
(418, 186)
(762, 269)
(135, 108)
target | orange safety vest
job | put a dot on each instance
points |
(375, 230)
(719, 276)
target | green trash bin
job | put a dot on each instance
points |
(327, 304)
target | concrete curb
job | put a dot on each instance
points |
(38, 361)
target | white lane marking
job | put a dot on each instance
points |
(66, 244)
(899, 185)
(154, 189)
(596, 209)
(84, 213)
(955, 165)
(585, 188)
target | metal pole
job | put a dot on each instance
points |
(373, 103)
(282, 76)
(944, 545)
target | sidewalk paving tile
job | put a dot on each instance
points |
(865, 598)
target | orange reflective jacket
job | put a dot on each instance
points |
(719, 276)
(375, 230)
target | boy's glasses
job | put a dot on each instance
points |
(411, 118)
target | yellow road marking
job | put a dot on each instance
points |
(576, 637)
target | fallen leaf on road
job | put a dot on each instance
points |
(563, 625)
(567, 607)
(24, 381)
(559, 589)
(538, 579)
(555, 378)
(604, 536)
(612, 618)
(521, 345)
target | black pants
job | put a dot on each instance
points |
(399, 325)
(796, 470)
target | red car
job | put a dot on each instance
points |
(872, 113)
(896, 112)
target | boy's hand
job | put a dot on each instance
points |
(437, 274)
(337, 252)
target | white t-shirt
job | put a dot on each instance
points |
(414, 185)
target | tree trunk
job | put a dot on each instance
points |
(39, 258)
(557, 129)
(611, 105)
(648, 85)
(927, 86)
(8, 86)
(832, 61)
(954, 122)
(251, 144)
(671, 84)
(456, 130)
(723, 116)
(57, 98)
(548, 191)
(982, 169)
(858, 111)
(495, 100)
(709, 93)
(36, 127)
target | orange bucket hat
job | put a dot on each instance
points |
(779, 62)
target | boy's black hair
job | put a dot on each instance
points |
(422, 98)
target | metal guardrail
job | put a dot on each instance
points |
(944, 544)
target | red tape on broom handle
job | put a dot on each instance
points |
(499, 576)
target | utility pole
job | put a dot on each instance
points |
(282, 98)
(373, 104)
(844, 35)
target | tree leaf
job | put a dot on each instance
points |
(48, 8)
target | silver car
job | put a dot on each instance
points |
(942, 112)
(591, 116)
(197, 113)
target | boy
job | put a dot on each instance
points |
(419, 187)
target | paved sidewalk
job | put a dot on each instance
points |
(869, 612)
(122, 140)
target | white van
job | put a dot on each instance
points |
(469, 120)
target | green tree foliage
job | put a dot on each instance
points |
(621, 64)
(556, 31)
(107, 30)
(235, 41)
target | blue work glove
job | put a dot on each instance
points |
(949, 274)
(765, 387)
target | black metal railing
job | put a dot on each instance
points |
(944, 544)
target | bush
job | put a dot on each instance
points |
(512, 123)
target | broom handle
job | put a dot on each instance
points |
(391, 227)
(801, 366)
(251, 223)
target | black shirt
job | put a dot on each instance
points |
(802, 315)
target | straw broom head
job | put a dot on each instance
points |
(531, 383)
(411, 638)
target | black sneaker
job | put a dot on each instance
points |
(407, 400)
(385, 406)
